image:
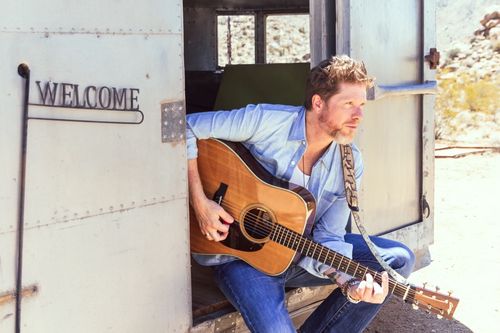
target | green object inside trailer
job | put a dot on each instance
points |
(262, 83)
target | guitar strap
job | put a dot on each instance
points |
(352, 201)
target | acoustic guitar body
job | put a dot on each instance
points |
(256, 200)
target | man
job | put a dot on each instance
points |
(300, 145)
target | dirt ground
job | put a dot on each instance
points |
(465, 253)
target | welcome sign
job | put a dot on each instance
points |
(91, 97)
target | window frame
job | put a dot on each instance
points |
(260, 28)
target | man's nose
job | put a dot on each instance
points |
(358, 113)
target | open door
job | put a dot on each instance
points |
(392, 37)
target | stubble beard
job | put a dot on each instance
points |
(337, 135)
(342, 139)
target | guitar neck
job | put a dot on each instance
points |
(307, 247)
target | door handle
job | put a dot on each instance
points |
(378, 92)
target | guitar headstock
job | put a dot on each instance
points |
(435, 302)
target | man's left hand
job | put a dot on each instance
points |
(370, 291)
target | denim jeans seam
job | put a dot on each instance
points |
(336, 315)
(240, 306)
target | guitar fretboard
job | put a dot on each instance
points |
(307, 247)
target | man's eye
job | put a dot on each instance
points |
(349, 103)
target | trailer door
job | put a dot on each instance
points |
(392, 37)
(105, 214)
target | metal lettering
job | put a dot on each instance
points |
(47, 91)
(87, 98)
(65, 93)
(108, 94)
(91, 97)
(76, 97)
(119, 99)
(134, 98)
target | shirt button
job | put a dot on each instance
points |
(292, 163)
(304, 143)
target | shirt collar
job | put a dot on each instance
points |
(298, 133)
(330, 158)
(298, 129)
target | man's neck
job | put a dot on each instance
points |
(317, 140)
(317, 143)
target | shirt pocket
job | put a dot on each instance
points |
(326, 200)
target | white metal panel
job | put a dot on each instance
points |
(106, 232)
(397, 137)
(116, 272)
(428, 101)
(7, 279)
(390, 136)
(10, 147)
(125, 164)
(91, 16)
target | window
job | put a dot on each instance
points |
(287, 38)
(236, 39)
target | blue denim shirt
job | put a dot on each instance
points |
(275, 135)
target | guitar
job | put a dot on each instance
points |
(271, 217)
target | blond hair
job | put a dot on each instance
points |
(324, 79)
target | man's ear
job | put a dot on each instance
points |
(316, 102)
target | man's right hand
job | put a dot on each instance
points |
(210, 216)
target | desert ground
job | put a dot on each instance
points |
(465, 253)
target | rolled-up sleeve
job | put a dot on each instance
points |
(236, 125)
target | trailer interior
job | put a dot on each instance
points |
(237, 53)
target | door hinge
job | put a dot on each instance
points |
(173, 124)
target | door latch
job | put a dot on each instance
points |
(433, 58)
(426, 209)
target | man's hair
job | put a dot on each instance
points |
(325, 78)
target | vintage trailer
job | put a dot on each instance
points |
(94, 232)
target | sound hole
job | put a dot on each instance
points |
(258, 223)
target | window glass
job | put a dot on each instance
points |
(236, 39)
(287, 38)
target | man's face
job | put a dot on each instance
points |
(341, 114)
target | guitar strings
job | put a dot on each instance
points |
(267, 229)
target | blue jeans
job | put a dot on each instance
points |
(261, 298)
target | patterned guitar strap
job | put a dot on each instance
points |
(352, 201)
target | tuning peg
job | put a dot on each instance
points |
(424, 284)
(450, 292)
(437, 289)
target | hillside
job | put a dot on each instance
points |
(468, 100)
